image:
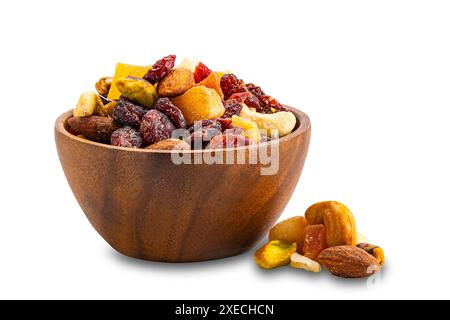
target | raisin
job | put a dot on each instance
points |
(127, 137)
(315, 241)
(201, 72)
(232, 107)
(266, 103)
(94, 128)
(155, 126)
(128, 114)
(172, 111)
(228, 140)
(231, 84)
(202, 132)
(160, 69)
(257, 91)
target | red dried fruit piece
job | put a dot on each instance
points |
(155, 126)
(315, 241)
(127, 137)
(201, 72)
(160, 69)
(228, 140)
(94, 128)
(246, 97)
(240, 96)
(128, 114)
(225, 122)
(231, 84)
(256, 90)
(203, 131)
(232, 107)
(266, 103)
(252, 101)
(175, 115)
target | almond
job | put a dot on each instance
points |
(348, 262)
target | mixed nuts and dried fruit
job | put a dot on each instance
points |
(326, 236)
(142, 107)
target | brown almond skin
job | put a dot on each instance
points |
(175, 83)
(348, 262)
(95, 128)
(170, 144)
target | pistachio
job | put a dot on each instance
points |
(282, 122)
(137, 90)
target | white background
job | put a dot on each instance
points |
(374, 77)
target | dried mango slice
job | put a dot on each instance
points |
(275, 254)
(251, 130)
(124, 70)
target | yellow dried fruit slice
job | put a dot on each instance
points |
(251, 130)
(275, 254)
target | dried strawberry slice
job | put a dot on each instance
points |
(160, 69)
(201, 72)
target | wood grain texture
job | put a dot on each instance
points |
(147, 207)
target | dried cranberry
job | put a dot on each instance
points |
(160, 69)
(201, 72)
(232, 107)
(266, 104)
(155, 126)
(172, 111)
(240, 96)
(231, 84)
(225, 123)
(127, 137)
(203, 131)
(252, 101)
(257, 91)
(229, 140)
(127, 113)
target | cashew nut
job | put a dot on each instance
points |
(89, 104)
(283, 122)
(338, 220)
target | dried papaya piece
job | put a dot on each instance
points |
(275, 254)
(315, 241)
(124, 70)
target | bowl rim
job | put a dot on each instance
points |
(302, 118)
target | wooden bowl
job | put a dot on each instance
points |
(147, 207)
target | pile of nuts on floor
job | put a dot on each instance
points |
(325, 236)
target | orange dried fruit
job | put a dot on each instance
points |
(315, 241)
(199, 103)
(212, 81)
(175, 83)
